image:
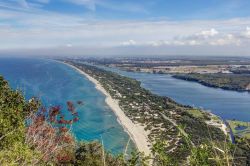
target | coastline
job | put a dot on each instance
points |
(136, 132)
(247, 89)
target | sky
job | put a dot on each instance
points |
(125, 27)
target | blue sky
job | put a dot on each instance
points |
(143, 9)
(92, 27)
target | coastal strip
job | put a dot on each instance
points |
(232, 82)
(136, 132)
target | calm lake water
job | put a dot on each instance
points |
(226, 104)
(55, 83)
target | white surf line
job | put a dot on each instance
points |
(135, 131)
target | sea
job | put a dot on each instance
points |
(54, 84)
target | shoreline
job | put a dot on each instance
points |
(247, 89)
(135, 131)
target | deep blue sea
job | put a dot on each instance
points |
(55, 84)
(224, 103)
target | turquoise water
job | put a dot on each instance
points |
(224, 103)
(55, 83)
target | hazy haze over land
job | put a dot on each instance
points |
(110, 27)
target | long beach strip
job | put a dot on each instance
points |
(136, 131)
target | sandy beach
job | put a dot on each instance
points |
(135, 131)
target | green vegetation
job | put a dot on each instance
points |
(13, 111)
(177, 132)
(150, 62)
(199, 114)
(239, 128)
(92, 154)
(238, 82)
(211, 154)
(32, 135)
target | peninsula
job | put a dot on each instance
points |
(225, 73)
(135, 131)
(236, 82)
(172, 129)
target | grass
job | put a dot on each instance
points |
(242, 133)
(196, 113)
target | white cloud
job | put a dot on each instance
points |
(129, 43)
(229, 39)
(247, 33)
(158, 43)
(194, 42)
(205, 34)
(43, 29)
(208, 33)
(161, 43)
(69, 45)
(204, 37)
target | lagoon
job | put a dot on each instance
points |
(224, 103)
